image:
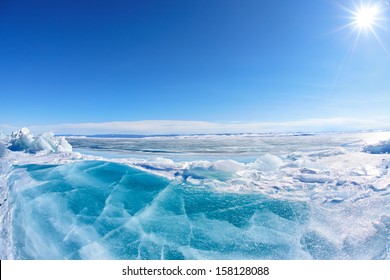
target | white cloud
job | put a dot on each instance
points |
(203, 127)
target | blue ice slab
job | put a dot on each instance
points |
(96, 209)
(106, 210)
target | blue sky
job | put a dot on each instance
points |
(216, 61)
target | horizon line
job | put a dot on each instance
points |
(180, 127)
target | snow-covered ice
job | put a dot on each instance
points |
(324, 196)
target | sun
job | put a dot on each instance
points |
(366, 17)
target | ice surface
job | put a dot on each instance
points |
(107, 210)
(284, 197)
(23, 140)
(3, 149)
(381, 148)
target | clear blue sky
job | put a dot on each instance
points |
(81, 61)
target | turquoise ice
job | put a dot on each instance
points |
(97, 209)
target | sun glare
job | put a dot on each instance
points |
(366, 17)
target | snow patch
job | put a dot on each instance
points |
(267, 163)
